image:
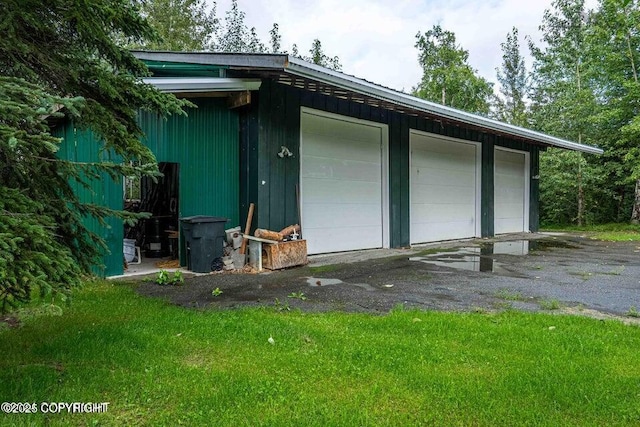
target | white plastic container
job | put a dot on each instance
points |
(129, 249)
(231, 234)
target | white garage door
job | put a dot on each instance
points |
(445, 180)
(342, 183)
(511, 196)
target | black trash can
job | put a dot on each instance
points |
(204, 241)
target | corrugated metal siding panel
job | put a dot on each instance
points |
(112, 196)
(154, 128)
(82, 146)
(249, 157)
(206, 145)
(399, 179)
(487, 193)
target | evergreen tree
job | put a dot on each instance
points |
(447, 78)
(56, 60)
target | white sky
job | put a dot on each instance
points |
(375, 38)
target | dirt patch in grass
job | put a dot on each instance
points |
(595, 314)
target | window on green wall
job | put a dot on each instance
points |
(131, 188)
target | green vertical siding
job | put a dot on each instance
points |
(275, 183)
(205, 144)
(487, 183)
(248, 157)
(399, 180)
(82, 146)
(267, 150)
(291, 168)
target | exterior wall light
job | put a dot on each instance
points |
(284, 152)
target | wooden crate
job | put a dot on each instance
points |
(284, 254)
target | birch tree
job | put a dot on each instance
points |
(563, 101)
(513, 80)
(182, 25)
(447, 77)
(615, 39)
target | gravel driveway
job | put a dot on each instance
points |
(527, 272)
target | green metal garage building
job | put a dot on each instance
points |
(361, 165)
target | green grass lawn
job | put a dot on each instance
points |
(158, 364)
(613, 232)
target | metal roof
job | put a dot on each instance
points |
(297, 67)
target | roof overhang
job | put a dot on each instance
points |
(202, 84)
(278, 63)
